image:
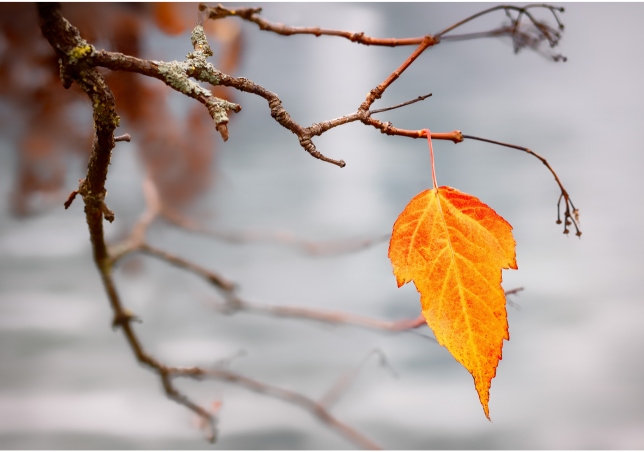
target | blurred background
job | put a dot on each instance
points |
(571, 375)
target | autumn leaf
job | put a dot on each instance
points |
(453, 247)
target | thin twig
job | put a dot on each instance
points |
(307, 403)
(520, 39)
(252, 15)
(569, 205)
(340, 387)
(70, 199)
(514, 291)
(379, 90)
(521, 10)
(312, 248)
(212, 277)
(234, 304)
(418, 99)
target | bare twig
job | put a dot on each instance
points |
(212, 277)
(514, 291)
(234, 304)
(509, 301)
(313, 248)
(520, 38)
(507, 8)
(176, 75)
(78, 61)
(570, 210)
(307, 403)
(70, 199)
(252, 15)
(418, 99)
(66, 41)
(379, 90)
(340, 387)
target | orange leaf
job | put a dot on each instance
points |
(453, 247)
(169, 18)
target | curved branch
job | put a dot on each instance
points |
(571, 216)
(507, 8)
(252, 15)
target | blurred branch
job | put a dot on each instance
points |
(235, 304)
(315, 408)
(340, 386)
(312, 248)
(520, 38)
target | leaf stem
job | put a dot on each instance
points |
(431, 152)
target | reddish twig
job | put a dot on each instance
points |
(70, 199)
(379, 90)
(252, 15)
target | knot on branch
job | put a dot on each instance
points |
(316, 129)
(277, 111)
(357, 37)
(386, 127)
(94, 202)
(124, 317)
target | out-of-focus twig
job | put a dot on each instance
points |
(340, 387)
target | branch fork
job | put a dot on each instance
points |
(78, 61)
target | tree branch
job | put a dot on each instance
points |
(404, 104)
(66, 41)
(176, 75)
(252, 15)
(307, 403)
(570, 216)
(78, 61)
